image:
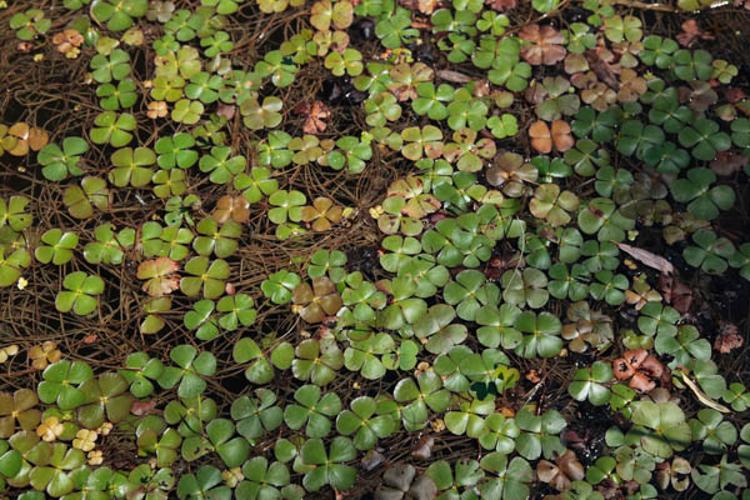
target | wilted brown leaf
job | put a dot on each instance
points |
(322, 214)
(546, 45)
(141, 408)
(692, 32)
(160, 275)
(676, 293)
(423, 449)
(641, 369)
(602, 67)
(728, 339)
(236, 208)
(501, 5)
(728, 163)
(541, 137)
(317, 114)
(426, 7)
(453, 76)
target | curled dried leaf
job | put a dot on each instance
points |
(648, 258)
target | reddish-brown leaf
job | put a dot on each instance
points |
(602, 68)
(729, 338)
(561, 136)
(545, 47)
(161, 276)
(141, 408)
(692, 32)
(541, 137)
(423, 449)
(317, 115)
(676, 293)
(728, 163)
(501, 5)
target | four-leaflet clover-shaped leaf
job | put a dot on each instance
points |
(191, 367)
(29, 24)
(588, 383)
(175, 151)
(497, 326)
(109, 246)
(318, 301)
(140, 370)
(55, 476)
(703, 200)
(59, 162)
(232, 449)
(287, 205)
(206, 482)
(706, 139)
(187, 111)
(204, 87)
(539, 433)
(132, 166)
(118, 14)
(710, 252)
(313, 410)
(106, 398)
(257, 115)
(13, 213)
(115, 129)
(602, 217)
(238, 309)
(347, 62)
(468, 418)
(716, 433)
(80, 293)
(93, 192)
(122, 96)
(328, 468)
(208, 276)
(221, 165)
(419, 397)
(57, 247)
(469, 293)
(508, 479)
(221, 240)
(200, 319)
(259, 369)
(61, 384)
(436, 330)
(258, 415)
(276, 65)
(552, 205)
(421, 142)
(280, 286)
(525, 287)
(366, 423)
(265, 480)
(19, 409)
(317, 361)
(662, 427)
(11, 265)
(542, 335)
(257, 184)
